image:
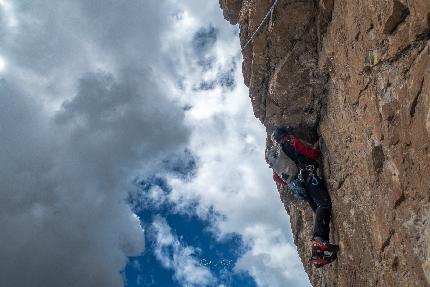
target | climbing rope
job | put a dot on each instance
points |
(259, 26)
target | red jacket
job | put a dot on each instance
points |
(311, 153)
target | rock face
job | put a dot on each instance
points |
(231, 9)
(354, 74)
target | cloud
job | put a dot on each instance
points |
(173, 255)
(232, 177)
(56, 223)
(79, 118)
(272, 260)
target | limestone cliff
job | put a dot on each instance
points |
(354, 74)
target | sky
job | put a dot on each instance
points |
(130, 153)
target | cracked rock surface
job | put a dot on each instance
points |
(356, 75)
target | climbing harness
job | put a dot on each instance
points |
(297, 185)
(259, 26)
(311, 174)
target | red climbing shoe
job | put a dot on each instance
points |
(323, 253)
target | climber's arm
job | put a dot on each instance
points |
(305, 150)
(278, 179)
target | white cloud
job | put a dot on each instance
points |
(272, 260)
(8, 10)
(2, 64)
(232, 175)
(233, 178)
(173, 255)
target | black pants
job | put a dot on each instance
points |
(320, 202)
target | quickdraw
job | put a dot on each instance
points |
(300, 176)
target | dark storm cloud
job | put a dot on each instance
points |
(64, 182)
(130, 119)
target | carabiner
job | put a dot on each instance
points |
(314, 181)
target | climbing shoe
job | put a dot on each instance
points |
(323, 253)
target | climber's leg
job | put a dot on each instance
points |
(312, 204)
(318, 193)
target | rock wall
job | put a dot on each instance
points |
(354, 74)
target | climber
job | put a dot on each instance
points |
(304, 184)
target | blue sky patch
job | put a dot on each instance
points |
(217, 255)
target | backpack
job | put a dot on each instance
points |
(287, 169)
(284, 166)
